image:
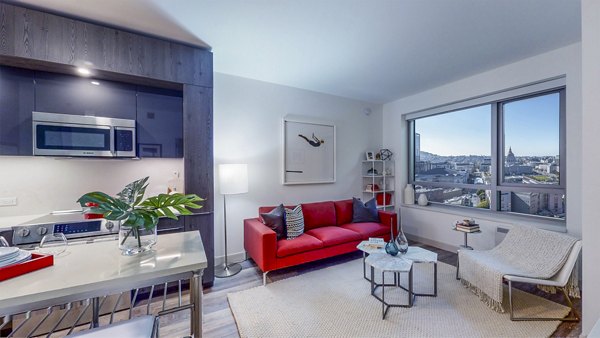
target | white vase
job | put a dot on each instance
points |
(423, 200)
(409, 194)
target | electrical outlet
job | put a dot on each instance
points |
(8, 201)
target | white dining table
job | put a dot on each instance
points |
(90, 271)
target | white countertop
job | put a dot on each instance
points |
(100, 269)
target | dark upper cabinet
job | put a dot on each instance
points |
(65, 94)
(159, 123)
(16, 105)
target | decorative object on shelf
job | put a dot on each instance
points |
(369, 156)
(308, 151)
(233, 179)
(423, 201)
(390, 247)
(385, 154)
(378, 157)
(372, 187)
(384, 199)
(401, 241)
(409, 194)
(138, 217)
(372, 172)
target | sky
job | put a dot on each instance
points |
(531, 129)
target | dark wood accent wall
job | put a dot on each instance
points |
(38, 40)
(31, 34)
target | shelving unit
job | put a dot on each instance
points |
(378, 182)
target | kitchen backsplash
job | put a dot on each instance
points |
(42, 185)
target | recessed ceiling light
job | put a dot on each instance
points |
(95, 83)
(84, 71)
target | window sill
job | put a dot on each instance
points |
(559, 225)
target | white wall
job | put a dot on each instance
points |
(590, 40)
(43, 184)
(433, 223)
(247, 127)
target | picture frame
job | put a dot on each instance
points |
(370, 156)
(309, 151)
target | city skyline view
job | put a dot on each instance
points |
(531, 128)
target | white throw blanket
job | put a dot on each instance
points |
(525, 251)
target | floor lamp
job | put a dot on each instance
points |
(233, 179)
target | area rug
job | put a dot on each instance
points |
(336, 302)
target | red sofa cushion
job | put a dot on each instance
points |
(343, 212)
(334, 235)
(297, 245)
(367, 230)
(318, 214)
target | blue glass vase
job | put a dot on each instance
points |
(391, 248)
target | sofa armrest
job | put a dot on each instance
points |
(260, 243)
(389, 217)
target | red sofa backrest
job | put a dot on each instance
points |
(320, 214)
(343, 211)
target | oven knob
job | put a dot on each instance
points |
(24, 232)
(109, 225)
(42, 231)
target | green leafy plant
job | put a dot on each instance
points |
(130, 207)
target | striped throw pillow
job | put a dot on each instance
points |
(294, 222)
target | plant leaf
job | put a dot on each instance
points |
(133, 193)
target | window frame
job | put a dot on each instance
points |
(496, 101)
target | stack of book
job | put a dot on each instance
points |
(467, 227)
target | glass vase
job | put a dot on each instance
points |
(401, 242)
(135, 240)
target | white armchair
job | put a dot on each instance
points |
(559, 281)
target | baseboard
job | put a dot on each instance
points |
(231, 258)
(439, 245)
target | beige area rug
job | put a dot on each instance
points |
(336, 302)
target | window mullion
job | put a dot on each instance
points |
(496, 142)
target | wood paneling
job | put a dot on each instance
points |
(204, 222)
(198, 148)
(32, 34)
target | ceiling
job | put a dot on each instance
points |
(372, 50)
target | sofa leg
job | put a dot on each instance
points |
(265, 278)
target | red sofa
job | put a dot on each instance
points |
(328, 231)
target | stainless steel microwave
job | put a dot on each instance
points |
(88, 136)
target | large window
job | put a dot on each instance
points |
(504, 155)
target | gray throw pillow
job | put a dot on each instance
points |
(276, 221)
(364, 212)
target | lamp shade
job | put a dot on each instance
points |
(233, 178)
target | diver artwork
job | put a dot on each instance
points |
(315, 142)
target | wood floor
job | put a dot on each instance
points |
(219, 322)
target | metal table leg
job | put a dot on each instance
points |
(196, 298)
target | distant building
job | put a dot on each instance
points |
(510, 158)
(486, 165)
(466, 167)
(422, 166)
(417, 147)
(443, 165)
(442, 175)
(518, 170)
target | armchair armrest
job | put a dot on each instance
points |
(260, 243)
(389, 217)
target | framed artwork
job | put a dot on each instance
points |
(309, 149)
(369, 156)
